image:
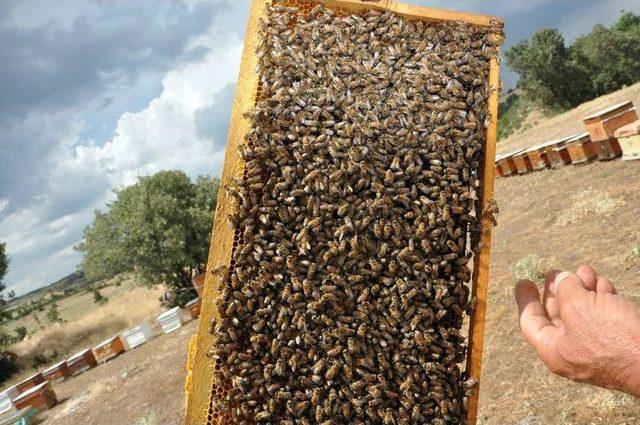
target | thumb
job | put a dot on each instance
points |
(567, 286)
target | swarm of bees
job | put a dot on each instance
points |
(349, 283)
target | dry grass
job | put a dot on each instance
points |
(91, 324)
(588, 202)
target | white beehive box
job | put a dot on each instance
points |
(137, 335)
(7, 397)
(170, 320)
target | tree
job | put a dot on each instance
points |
(547, 74)
(158, 228)
(21, 332)
(98, 298)
(53, 315)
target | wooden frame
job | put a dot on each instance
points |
(199, 407)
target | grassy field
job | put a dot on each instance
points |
(86, 323)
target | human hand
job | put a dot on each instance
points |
(583, 330)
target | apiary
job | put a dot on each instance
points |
(39, 397)
(108, 349)
(581, 149)
(505, 166)
(193, 307)
(629, 138)
(601, 125)
(56, 373)
(170, 320)
(355, 229)
(521, 161)
(30, 382)
(7, 397)
(137, 335)
(198, 283)
(81, 361)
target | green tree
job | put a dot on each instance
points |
(158, 228)
(98, 298)
(548, 76)
(53, 315)
(610, 55)
(21, 332)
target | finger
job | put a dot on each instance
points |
(567, 286)
(549, 300)
(536, 328)
(589, 276)
(604, 285)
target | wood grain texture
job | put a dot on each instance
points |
(200, 392)
(223, 232)
(480, 282)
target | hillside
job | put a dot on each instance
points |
(540, 129)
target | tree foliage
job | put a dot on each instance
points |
(4, 267)
(158, 228)
(557, 77)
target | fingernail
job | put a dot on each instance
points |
(559, 278)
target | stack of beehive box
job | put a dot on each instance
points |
(108, 349)
(629, 138)
(170, 320)
(137, 335)
(40, 397)
(602, 126)
(81, 361)
(58, 372)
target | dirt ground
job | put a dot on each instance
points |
(566, 217)
(578, 214)
(143, 386)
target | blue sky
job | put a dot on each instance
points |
(96, 93)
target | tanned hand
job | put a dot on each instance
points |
(582, 329)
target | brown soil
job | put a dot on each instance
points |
(144, 386)
(567, 217)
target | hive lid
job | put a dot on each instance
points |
(107, 341)
(575, 138)
(553, 142)
(628, 130)
(32, 390)
(54, 367)
(9, 392)
(30, 378)
(78, 355)
(196, 300)
(609, 110)
(168, 313)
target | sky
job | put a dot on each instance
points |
(94, 94)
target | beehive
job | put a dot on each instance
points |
(629, 138)
(7, 397)
(170, 320)
(556, 152)
(30, 382)
(81, 361)
(18, 417)
(601, 125)
(538, 157)
(521, 161)
(580, 149)
(201, 409)
(503, 168)
(39, 397)
(56, 373)
(193, 307)
(137, 335)
(108, 349)
(198, 283)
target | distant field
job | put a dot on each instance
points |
(86, 323)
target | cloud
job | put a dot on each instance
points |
(115, 98)
(212, 121)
